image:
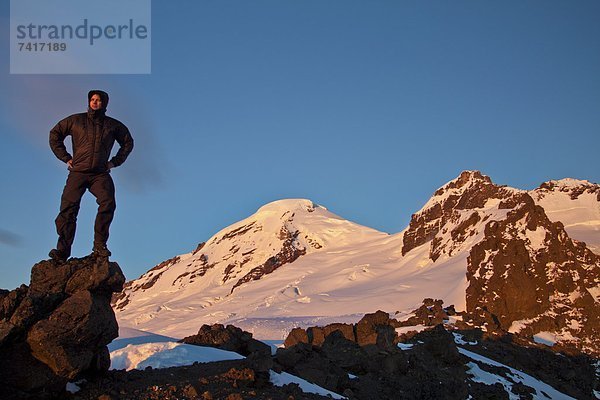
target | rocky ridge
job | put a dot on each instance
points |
(364, 361)
(525, 274)
(369, 360)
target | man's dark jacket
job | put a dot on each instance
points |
(93, 136)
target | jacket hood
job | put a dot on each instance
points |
(103, 96)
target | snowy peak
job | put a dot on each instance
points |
(288, 205)
(465, 180)
(313, 225)
(277, 234)
(454, 208)
(469, 190)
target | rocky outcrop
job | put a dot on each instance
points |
(470, 191)
(229, 338)
(377, 370)
(57, 329)
(234, 339)
(431, 313)
(431, 364)
(373, 329)
(289, 252)
(527, 276)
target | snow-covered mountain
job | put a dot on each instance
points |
(498, 254)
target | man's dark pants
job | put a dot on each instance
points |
(102, 187)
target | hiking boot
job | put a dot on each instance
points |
(58, 255)
(101, 251)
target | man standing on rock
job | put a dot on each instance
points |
(93, 135)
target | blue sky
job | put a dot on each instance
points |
(365, 107)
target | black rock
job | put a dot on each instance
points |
(57, 329)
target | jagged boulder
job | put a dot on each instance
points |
(297, 335)
(317, 334)
(373, 329)
(57, 328)
(229, 338)
(232, 338)
(431, 313)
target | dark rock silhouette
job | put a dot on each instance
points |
(228, 338)
(378, 368)
(428, 364)
(56, 330)
(232, 338)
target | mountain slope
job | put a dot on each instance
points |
(278, 233)
(491, 251)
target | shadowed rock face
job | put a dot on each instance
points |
(427, 364)
(373, 329)
(288, 254)
(229, 338)
(522, 288)
(57, 329)
(525, 274)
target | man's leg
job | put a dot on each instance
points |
(66, 221)
(103, 188)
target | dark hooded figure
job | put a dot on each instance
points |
(93, 135)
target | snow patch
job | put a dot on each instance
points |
(595, 292)
(72, 387)
(547, 338)
(453, 319)
(460, 339)
(518, 326)
(403, 316)
(304, 300)
(166, 354)
(284, 378)
(537, 238)
(542, 389)
(406, 329)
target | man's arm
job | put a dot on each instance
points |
(125, 140)
(57, 139)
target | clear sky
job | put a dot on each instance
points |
(364, 107)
